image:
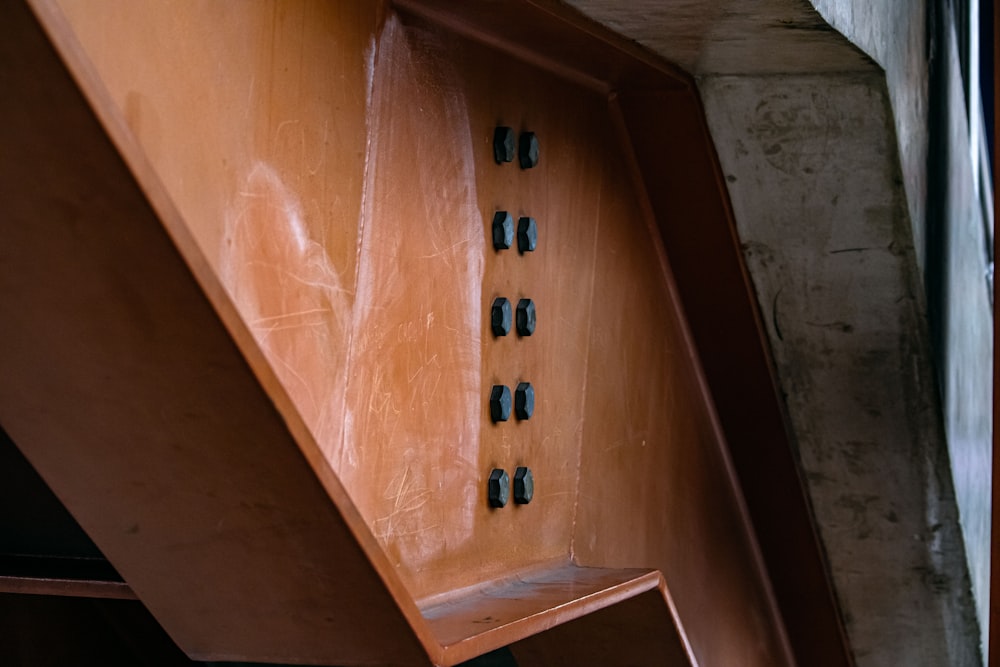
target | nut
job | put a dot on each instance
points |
(503, 230)
(524, 485)
(501, 316)
(525, 317)
(503, 145)
(524, 400)
(499, 403)
(499, 487)
(527, 234)
(527, 150)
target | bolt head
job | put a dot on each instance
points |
(524, 486)
(501, 316)
(527, 234)
(525, 317)
(527, 150)
(498, 488)
(503, 230)
(500, 403)
(503, 144)
(524, 400)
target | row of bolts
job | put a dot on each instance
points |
(499, 486)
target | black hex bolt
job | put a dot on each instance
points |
(503, 145)
(499, 487)
(527, 150)
(524, 400)
(500, 403)
(503, 230)
(524, 485)
(525, 317)
(527, 234)
(501, 316)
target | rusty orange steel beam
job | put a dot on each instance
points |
(241, 283)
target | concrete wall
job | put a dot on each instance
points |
(894, 34)
(825, 141)
(813, 175)
(924, 80)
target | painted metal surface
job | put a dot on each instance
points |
(42, 548)
(728, 334)
(634, 632)
(333, 193)
(540, 599)
(129, 395)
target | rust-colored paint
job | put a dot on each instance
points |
(421, 443)
(77, 588)
(554, 38)
(685, 183)
(666, 135)
(41, 546)
(651, 440)
(324, 172)
(381, 341)
(532, 601)
(255, 121)
(637, 631)
(131, 398)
